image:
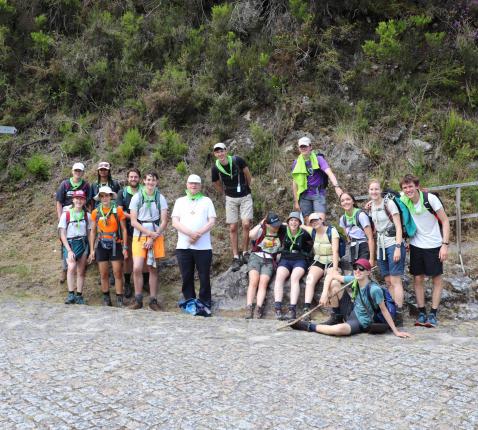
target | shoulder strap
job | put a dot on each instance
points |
(427, 204)
(313, 234)
(329, 233)
(357, 219)
(68, 216)
(369, 296)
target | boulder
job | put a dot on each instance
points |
(421, 144)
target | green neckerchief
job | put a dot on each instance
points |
(355, 288)
(75, 186)
(300, 172)
(147, 199)
(294, 238)
(196, 196)
(130, 191)
(350, 219)
(105, 217)
(411, 206)
(73, 215)
(221, 168)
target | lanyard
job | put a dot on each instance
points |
(105, 217)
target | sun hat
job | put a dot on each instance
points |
(78, 166)
(294, 215)
(105, 190)
(194, 179)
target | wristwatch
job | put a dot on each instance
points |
(398, 245)
(125, 247)
(445, 243)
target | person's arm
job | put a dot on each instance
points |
(124, 233)
(371, 243)
(445, 222)
(334, 181)
(164, 221)
(335, 254)
(329, 277)
(398, 237)
(59, 210)
(181, 227)
(208, 226)
(296, 197)
(247, 176)
(389, 319)
(253, 233)
(92, 237)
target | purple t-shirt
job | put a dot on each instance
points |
(314, 180)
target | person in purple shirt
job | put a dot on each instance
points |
(311, 174)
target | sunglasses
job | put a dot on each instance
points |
(358, 267)
(303, 146)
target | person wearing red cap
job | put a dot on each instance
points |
(351, 314)
(73, 227)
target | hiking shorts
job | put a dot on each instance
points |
(264, 266)
(239, 208)
(388, 267)
(138, 249)
(290, 265)
(425, 261)
(308, 206)
(78, 246)
(346, 307)
(102, 254)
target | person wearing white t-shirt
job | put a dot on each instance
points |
(193, 217)
(428, 247)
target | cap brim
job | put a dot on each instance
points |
(276, 224)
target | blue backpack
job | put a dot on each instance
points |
(195, 307)
(389, 303)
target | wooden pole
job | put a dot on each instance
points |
(458, 226)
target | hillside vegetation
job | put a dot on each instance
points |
(383, 86)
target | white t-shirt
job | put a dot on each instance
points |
(144, 214)
(382, 222)
(428, 233)
(194, 214)
(353, 231)
(74, 228)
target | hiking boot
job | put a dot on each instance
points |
(107, 301)
(63, 277)
(399, 319)
(260, 312)
(136, 305)
(119, 302)
(421, 320)
(249, 314)
(245, 257)
(279, 314)
(154, 305)
(128, 290)
(291, 314)
(431, 321)
(70, 299)
(304, 311)
(236, 264)
(301, 325)
(334, 319)
(79, 300)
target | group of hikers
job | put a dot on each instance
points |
(126, 226)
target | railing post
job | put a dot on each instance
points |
(458, 222)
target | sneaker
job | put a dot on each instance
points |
(431, 321)
(421, 320)
(107, 301)
(249, 314)
(236, 264)
(245, 257)
(128, 290)
(119, 302)
(334, 319)
(136, 305)
(79, 300)
(154, 305)
(70, 299)
(260, 312)
(279, 315)
(304, 311)
(301, 325)
(291, 314)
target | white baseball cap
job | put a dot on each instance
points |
(194, 179)
(104, 165)
(78, 166)
(219, 145)
(304, 141)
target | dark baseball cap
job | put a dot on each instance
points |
(273, 219)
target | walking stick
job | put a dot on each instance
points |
(313, 309)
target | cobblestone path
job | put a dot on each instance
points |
(86, 367)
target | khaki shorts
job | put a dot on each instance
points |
(262, 265)
(139, 251)
(239, 206)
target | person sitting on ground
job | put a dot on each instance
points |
(149, 218)
(231, 176)
(391, 250)
(326, 255)
(73, 226)
(64, 196)
(108, 224)
(268, 237)
(357, 226)
(104, 180)
(351, 317)
(125, 195)
(193, 217)
(428, 247)
(293, 262)
(310, 174)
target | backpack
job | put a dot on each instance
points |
(194, 307)
(429, 208)
(342, 240)
(409, 228)
(389, 303)
(357, 220)
(114, 212)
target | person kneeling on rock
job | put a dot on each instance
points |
(351, 317)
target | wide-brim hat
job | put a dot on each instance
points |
(105, 190)
(294, 215)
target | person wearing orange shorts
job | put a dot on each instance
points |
(149, 217)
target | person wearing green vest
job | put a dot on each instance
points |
(231, 176)
(310, 176)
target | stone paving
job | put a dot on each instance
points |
(86, 367)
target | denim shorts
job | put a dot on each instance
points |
(290, 265)
(388, 267)
(318, 204)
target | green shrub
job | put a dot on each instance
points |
(299, 9)
(182, 168)
(78, 144)
(41, 42)
(39, 166)
(133, 144)
(262, 155)
(459, 136)
(16, 173)
(171, 147)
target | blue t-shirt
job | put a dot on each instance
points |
(360, 309)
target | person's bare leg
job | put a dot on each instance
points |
(118, 274)
(104, 276)
(153, 281)
(233, 235)
(396, 290)
(342, 329)
(252, 288)
(437, 289)
(314, 275)
(281, 275)
(295, 278)
(420, 290)
(80, 273)
(138, 263)
(262, 289)
(246, 226)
